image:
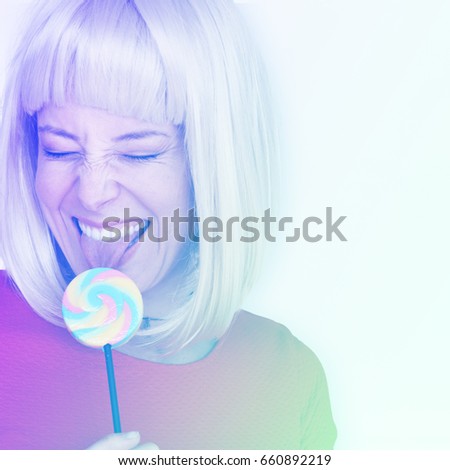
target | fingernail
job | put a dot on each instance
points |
(131, 435)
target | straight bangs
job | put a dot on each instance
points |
(100, 56)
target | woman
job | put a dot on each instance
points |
(143, 110)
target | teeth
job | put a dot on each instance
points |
(103, 234)
(96, 233)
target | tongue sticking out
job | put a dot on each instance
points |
(103, 254)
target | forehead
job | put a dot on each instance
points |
(82, 122)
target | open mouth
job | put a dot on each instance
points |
(131, 233)
(105, 248)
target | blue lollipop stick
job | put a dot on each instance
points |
(112, 388)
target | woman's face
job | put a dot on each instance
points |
(92, 166)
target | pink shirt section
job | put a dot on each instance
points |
(260, 388)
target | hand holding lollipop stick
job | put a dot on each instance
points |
(103, 309)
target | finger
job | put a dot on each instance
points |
(117, 441)
(147, 446)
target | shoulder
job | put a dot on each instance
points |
(262, 342)
(20, 324)
(297, 369)
(276, 340)
(13, 306)
(30, 342)
(15, 312)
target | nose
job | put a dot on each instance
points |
(96, 187)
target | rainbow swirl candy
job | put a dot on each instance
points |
(102, 306)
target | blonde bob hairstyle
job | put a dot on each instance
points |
(187, 62)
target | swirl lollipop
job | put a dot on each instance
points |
(103, 309)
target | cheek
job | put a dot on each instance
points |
(181, 189)
(51, 184)
(165, 190)
(179, 196)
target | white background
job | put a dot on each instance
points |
(363, 103)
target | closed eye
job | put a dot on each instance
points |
(56, 155)
(142, 157)
(61, 155)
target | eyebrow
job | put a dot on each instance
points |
(60, 132)
(120, 138)
(139, 135)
